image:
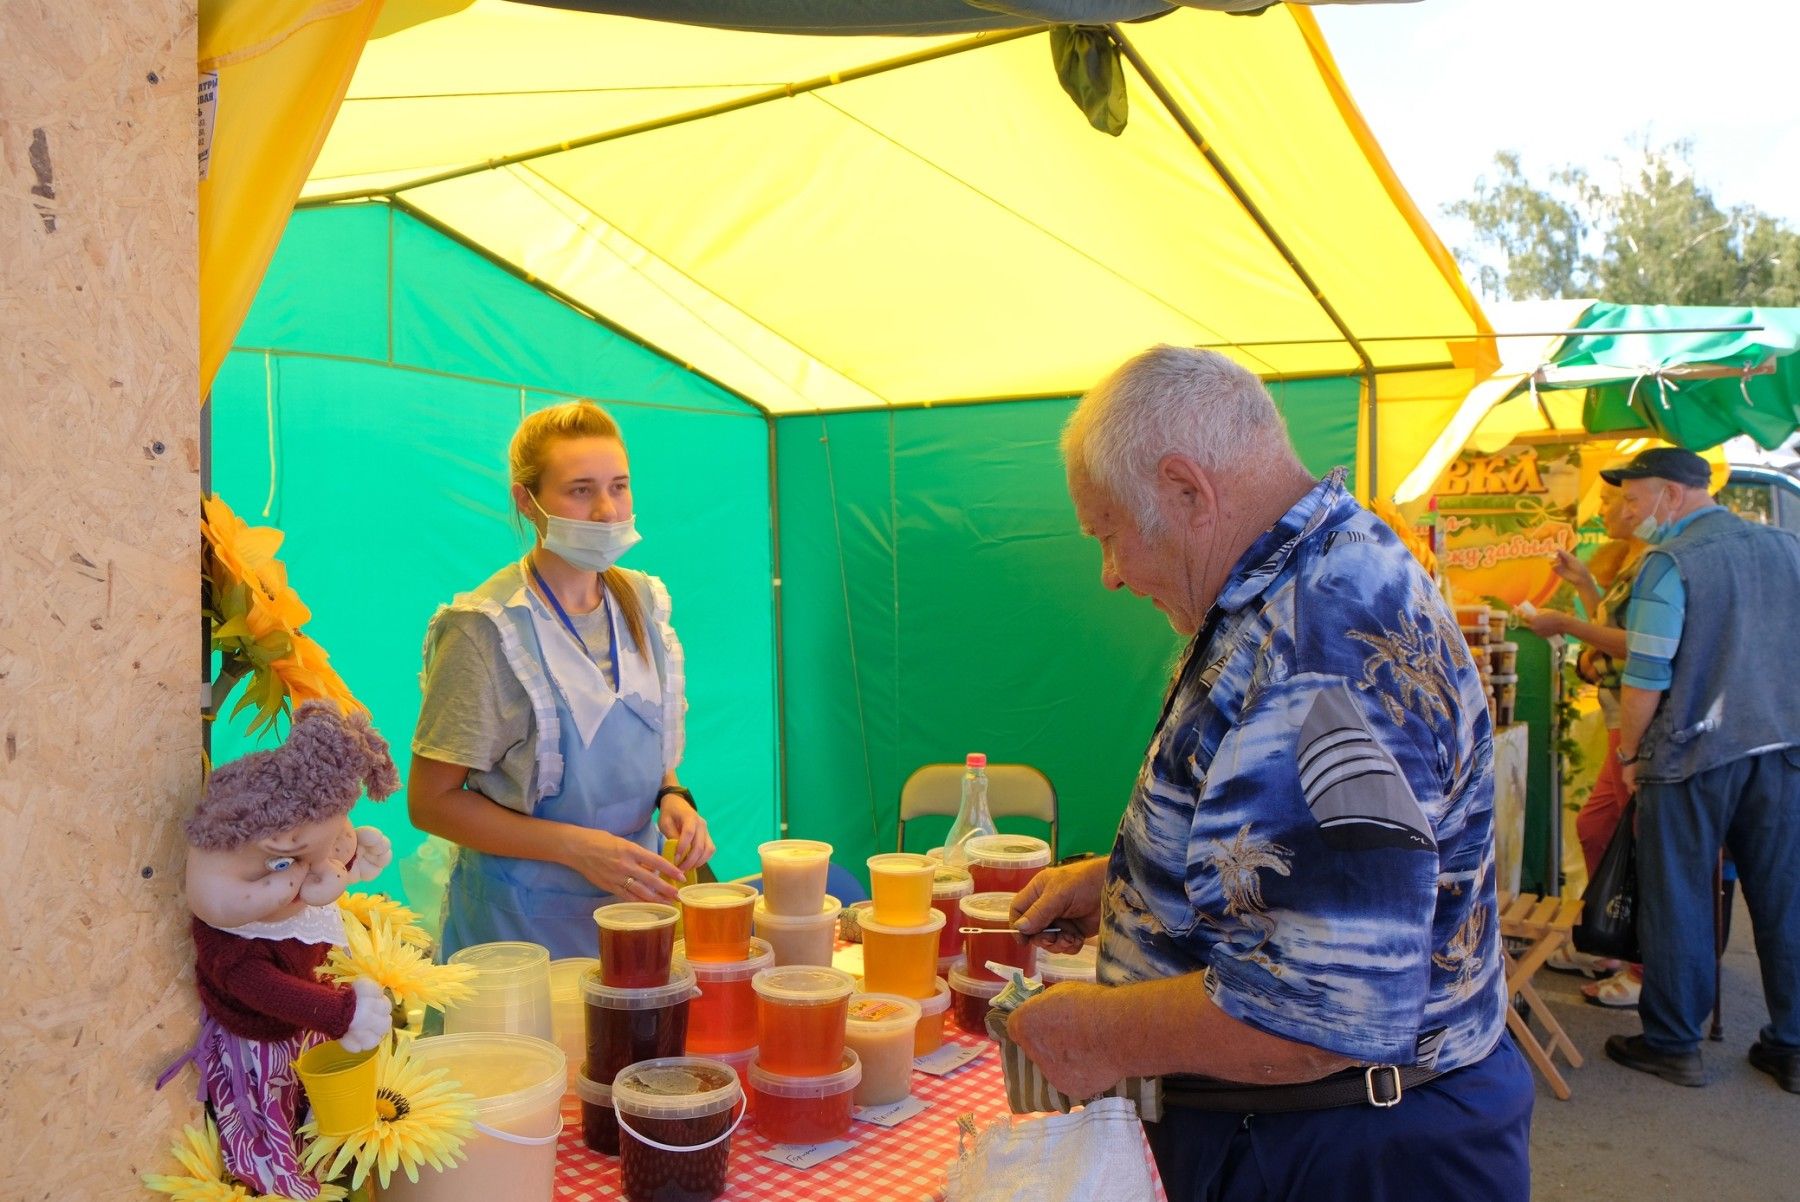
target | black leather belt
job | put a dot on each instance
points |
(1379, 1085)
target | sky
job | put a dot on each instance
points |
(1447, 83)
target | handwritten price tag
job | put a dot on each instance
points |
(892, 1114)
(949, 1058)
(806, 1156)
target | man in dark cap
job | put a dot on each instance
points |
(1709, 736)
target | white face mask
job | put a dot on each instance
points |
(593, 546)
(1650, 529)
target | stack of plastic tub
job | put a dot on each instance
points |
(903, 931)
(510, 991)
(724, 957)
(636, 1006)
(804, 1078)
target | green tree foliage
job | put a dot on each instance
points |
(1655, 236)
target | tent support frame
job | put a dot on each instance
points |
(1230, 180)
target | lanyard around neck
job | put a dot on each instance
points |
(569, 625)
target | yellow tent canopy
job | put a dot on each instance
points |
(832, 223)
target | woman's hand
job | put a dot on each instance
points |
(680, 821)
(1571, 569)
(1067, 898)
(621, 867)
(1547, 623)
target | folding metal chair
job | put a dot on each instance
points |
(1014, 791)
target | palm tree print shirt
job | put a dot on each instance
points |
(1313, 823)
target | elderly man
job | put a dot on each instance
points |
(1709, 736)
(1297, 927)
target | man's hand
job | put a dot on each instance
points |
(1066, 897)
(1628, 777)
(1065, 1032)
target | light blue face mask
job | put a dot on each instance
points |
(593, 546)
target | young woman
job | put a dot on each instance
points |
(552, 720)
(1605, 588)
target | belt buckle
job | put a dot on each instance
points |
(1375, 1091)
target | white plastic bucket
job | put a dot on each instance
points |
(518, 1083)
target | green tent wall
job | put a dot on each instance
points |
(933, 595)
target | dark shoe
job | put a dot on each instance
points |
(1682, 1068)
(1783, 1066)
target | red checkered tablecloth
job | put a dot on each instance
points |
(887, 1164)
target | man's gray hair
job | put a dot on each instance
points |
(1169, 400)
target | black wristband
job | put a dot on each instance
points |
(678, 791)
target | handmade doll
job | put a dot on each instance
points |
(270, 850)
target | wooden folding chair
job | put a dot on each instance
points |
(1541, 925)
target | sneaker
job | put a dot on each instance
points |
(1567, 959)
(1783, 1066)
(1681, 1068)
(1617, 992)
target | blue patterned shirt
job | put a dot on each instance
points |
(1313, 823)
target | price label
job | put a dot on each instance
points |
(949, 1058)
(805, 1156)
(892, 1114)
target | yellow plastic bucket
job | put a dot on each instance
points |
(340, 1084)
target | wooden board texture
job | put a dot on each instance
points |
(99, 594)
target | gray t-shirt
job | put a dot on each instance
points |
(475, 711)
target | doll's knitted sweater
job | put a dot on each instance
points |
(268, 988)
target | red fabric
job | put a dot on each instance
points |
(268, 988)
(1599, 816)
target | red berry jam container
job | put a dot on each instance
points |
(1005, 863)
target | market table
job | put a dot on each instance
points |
(903, 1162)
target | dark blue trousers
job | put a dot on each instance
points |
(1752, 807)
(1464, 1135)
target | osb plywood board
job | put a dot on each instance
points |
(99, 624)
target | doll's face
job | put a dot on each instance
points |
(273, 878)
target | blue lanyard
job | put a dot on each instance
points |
(570, 626)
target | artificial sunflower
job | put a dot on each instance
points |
(242, 551)
(421, 1117)
(378, 951)
(307, 673)
(366, 907)
(205, 1179)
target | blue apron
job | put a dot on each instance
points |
(609, 784)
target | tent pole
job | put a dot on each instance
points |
(784, 92)
(781, 726)
(1262, 222)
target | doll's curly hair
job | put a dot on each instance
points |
(327, 762)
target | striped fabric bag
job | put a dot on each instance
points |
(1028, 1092)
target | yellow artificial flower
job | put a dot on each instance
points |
(246, 555)
(421, 1117)
(365, 908)
(246, 552)
(204, 1178)
(377, 951)
(307, 673)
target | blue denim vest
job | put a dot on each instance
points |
(1735, 691)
